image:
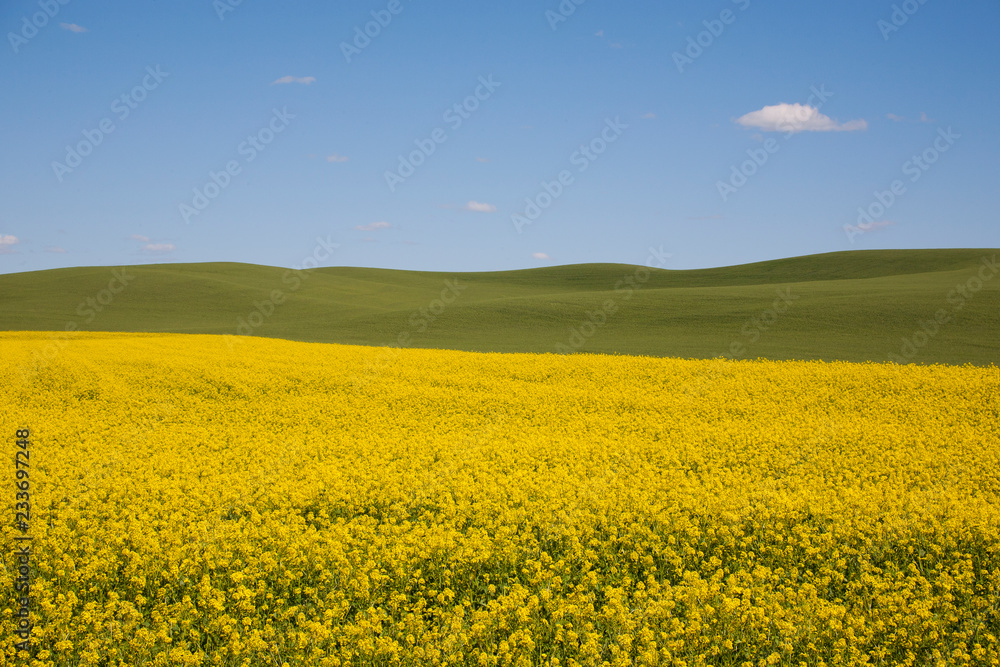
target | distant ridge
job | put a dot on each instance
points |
(856, 305)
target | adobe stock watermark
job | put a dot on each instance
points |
(870, 216)
(292, 281)
(363, 35)
(454, 116)
(562, 13)
(751, 332)
(87, 310)
(31, 25)
(419, 322)
(699, 43)
(899, 17)
(755, 327)
(740, 174)
(581, 158)
(249, 149)
(422, 319)
(223, 7)
(957, 298)
(122, 106)
(625, 289)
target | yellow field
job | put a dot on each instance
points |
(205, 500)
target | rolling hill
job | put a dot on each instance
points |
(925, 306)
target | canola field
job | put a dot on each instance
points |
(208, 500)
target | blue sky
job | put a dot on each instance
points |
(537, 133)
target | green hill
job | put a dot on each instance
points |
(855, 306)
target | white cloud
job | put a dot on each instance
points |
(149, 246)
(373, 226)
(295, 79)
(7, 243)
(878, 224)
(479, 207)
(924, 118)
(796, 118)
(337, 158)
(599, 33)
(649, 116)
(72, 27)
(482, 159)
(55, 248)
(540, 255)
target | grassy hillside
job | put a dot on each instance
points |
(855, 306)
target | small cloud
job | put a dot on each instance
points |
(615, 45)
(482, 159)
(295, 79)
(539, 255)
(479, 207)
(869, 226)
(55, 248)
(705, 217)
(369, 239)
(924, 118)
(149, 246)
(337, 158)
(796, 118)
(72, 27)
(599, 33)
(7, 243)
(649, 116)
(373, 226)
